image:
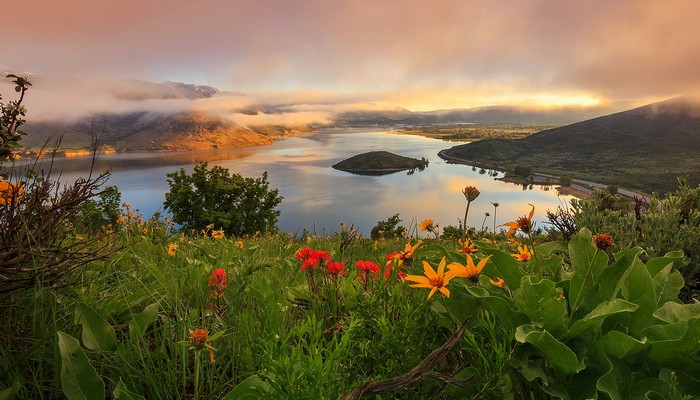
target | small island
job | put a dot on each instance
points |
(380, 163)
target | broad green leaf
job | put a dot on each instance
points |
(650, 388)
(668, 283)
(678, 347)
(504, 266)
(672, 312)
(587, 263)
(122, 393)
(141, 321)
(251, 388)
(546, 249)
(581, 385)
(686, 384)
(622, 346)
(9, 393)
(498, 305)
(601, 312)
(559, 356)
(97, 333)
(655, 265)
(79, 380)
(639, 289)
(616, 381)
(538, 300)
(461, 305)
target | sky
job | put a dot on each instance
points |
(416, 54)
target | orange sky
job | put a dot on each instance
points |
(416, 54)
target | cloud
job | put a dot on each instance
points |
(475, 50)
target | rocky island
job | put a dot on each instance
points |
(380, 163)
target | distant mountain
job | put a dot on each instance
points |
(142, 131)
(645, 148)
(477, 115)
(141, 90)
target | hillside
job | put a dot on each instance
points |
(379, 163)
(646, 148)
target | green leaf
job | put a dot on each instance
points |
(538, 300)
(97, 333)
(498, 305)
(673, 312)
(639, 289)
(79, 380)
(650, 388)
(9, 393)
(122, 393)
(251, 388)
(504, 266)
(668, 284)
(587, 263)
(681, 342)
(601, 312)
(616, 381)
(655, 265)
(140, 323)
(559, 356)
(622, 346)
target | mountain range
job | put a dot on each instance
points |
(646, 148)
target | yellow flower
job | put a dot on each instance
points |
(217, 234)
(469, 247)
(426, 225)
(432, 280)
(522, 223)
(409, 250)
(469, 271)
(523, 253)
(10, 192)
(171, 248)
(239, 244)
(497, 283)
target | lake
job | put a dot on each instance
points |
(318, 197)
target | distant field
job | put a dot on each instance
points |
(462, 132)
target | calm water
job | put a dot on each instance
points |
(318, 197)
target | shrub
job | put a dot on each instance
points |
(214, 197)
(11, 118)
(388, 229)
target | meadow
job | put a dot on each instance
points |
(199, 314)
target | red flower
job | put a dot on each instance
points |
(603, 241)
(311, 258)
(368, 267)
(217, 282)
(335, 268)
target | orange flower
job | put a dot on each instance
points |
(198, 337)
(171, 248)
(10, 192)
(603, 241)
(426, 225)
(240, 244)
(408, 251)
(497, 283)
(469, 271)
(523, 253)
(217, 234)
(432, 280)
(469, 247)
(522, 223)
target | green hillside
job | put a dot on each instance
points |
(646, 148)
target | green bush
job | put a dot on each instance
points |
(388, 229)
(214, 197)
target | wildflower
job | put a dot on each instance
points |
(469, 247)
(121, 221)
(217, 234)
(171, 249)
(139, 220)
(469, 271)
(408, 251)
(131, 214)
(426, 225)
(368, 267)
(335, 268)
(561, 297)
(126, 205)
(432, 280)
(523, 253)
(312, 258)
(522, 223)
(198, 337)
(145, 231)
(603, 241)
(10, 192)
(239, 244)
(471, 193)
(497, 283)
(217, 282)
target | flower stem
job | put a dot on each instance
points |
(464, 230)
(196, 374)
(538, 266)
(579, 297)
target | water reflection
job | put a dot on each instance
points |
(318, 197)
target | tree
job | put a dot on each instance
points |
(388, 229)
(214, 197)
(11, 118)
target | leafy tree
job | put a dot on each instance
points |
(11, 118)
(388, 228)
(240, 206)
